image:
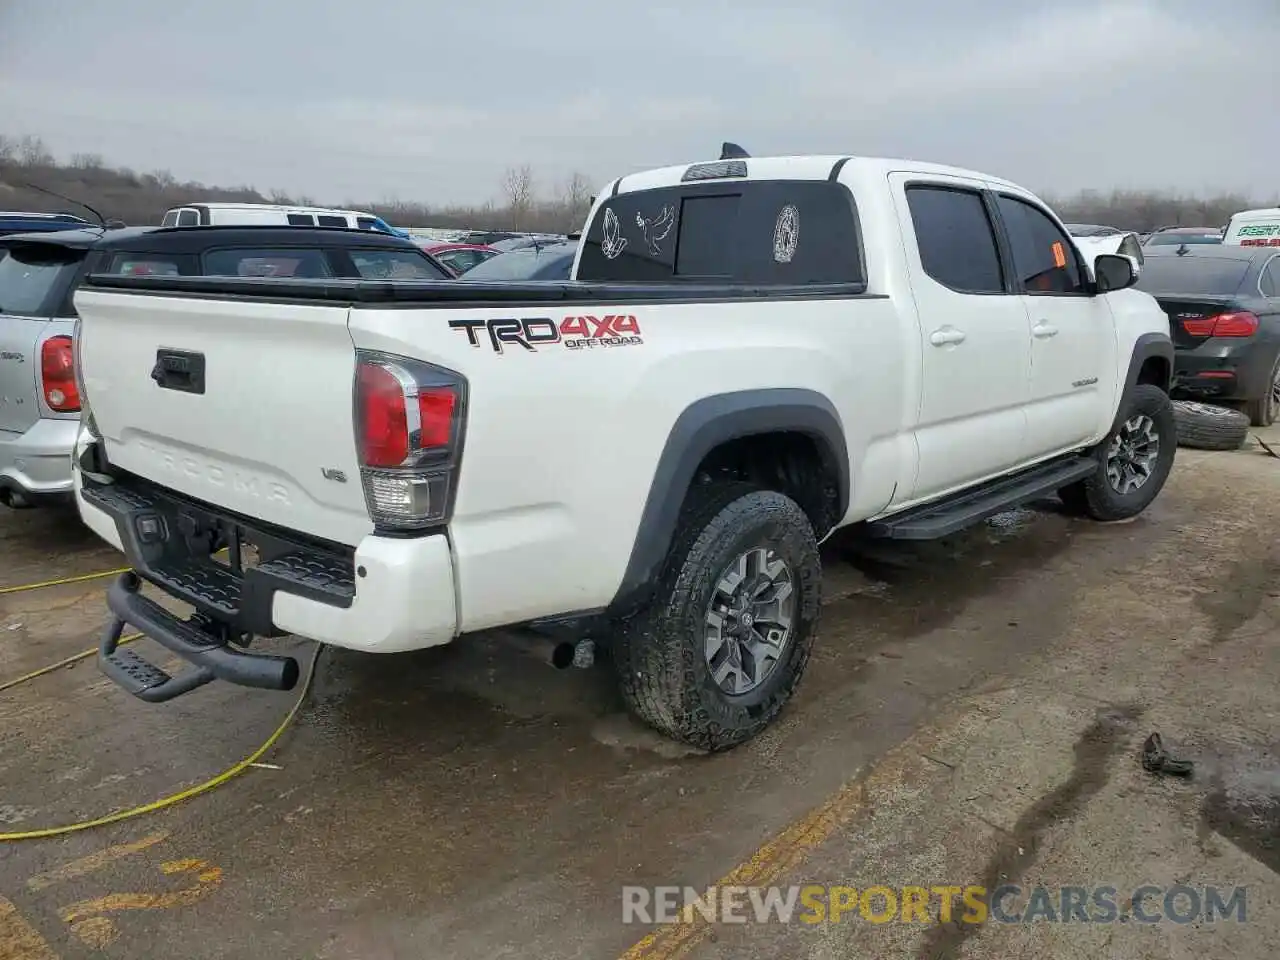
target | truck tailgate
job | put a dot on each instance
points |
(268, 433)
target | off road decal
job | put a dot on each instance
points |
(586, 332)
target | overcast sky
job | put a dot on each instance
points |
(430, 101)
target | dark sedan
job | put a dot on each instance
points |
(1223, 304)
(1183, 236)
(551, 261)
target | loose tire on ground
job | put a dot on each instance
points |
(1203, 426)
(660, 653)
(1147, 416)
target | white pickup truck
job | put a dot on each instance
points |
(754, 353)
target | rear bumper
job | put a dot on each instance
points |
(1223, 369)
(385, 596)
(37, 463)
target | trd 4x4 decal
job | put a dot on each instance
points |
(574, 333)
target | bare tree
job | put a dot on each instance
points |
(575, 198)
(163, 179)
(33, 153)
(517, 186)
(87, 161)
(8, 148)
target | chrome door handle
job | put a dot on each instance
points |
(945, 336)
(1043, 330)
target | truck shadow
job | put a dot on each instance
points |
(877, 595)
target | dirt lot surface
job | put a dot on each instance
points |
(973, 715)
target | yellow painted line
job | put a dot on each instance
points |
(18, 939)
(764, 867)
(207, 880)
(93, 862)
(782, 854)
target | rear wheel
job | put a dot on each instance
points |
(719, 651)
(1262, 410)
(1133, 463)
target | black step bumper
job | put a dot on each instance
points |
(210, 655)
(171, 541)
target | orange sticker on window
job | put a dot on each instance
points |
(1059, 254)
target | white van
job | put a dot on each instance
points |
(1254, 228)
(273, 214)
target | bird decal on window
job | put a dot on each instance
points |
(656, 230)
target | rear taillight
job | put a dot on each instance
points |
(1241, 323)
(409, 420)
(58, 375)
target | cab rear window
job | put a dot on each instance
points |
(308, 264)
(786, 232)
(142, 265)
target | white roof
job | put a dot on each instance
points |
(292, 208)
(805, 168)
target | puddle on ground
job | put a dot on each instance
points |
(1245, 811)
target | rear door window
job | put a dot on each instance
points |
(282, 262)
(301, 220)
(955, 238)
(1043, 256)
(31, 278)
(786, 232)
(328, 220)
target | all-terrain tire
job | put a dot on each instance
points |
(1095, 496)
(1203, 426)
(659, 652)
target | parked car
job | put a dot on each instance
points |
(1091, 230)
(758, 352)
(485, 237)
(1254, 228)
(1223, 305)
(39, 397)
(553, 261)
(526, 240)
(13, 222)
(274, 214)
(1179, 236)
(458, 258)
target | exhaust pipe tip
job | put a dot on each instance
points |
(560, 654)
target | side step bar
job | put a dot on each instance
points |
(212, 658)
(941, 519)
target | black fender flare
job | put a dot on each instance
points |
(1147, 345)
(704, 425)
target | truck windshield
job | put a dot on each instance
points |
(27, 282)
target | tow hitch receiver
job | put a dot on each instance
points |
(200, 642)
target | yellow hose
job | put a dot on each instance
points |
(23, 588)
(173, 798)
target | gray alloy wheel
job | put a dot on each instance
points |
(749, 620)
(1133, 453)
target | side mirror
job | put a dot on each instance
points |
(1115, 271)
